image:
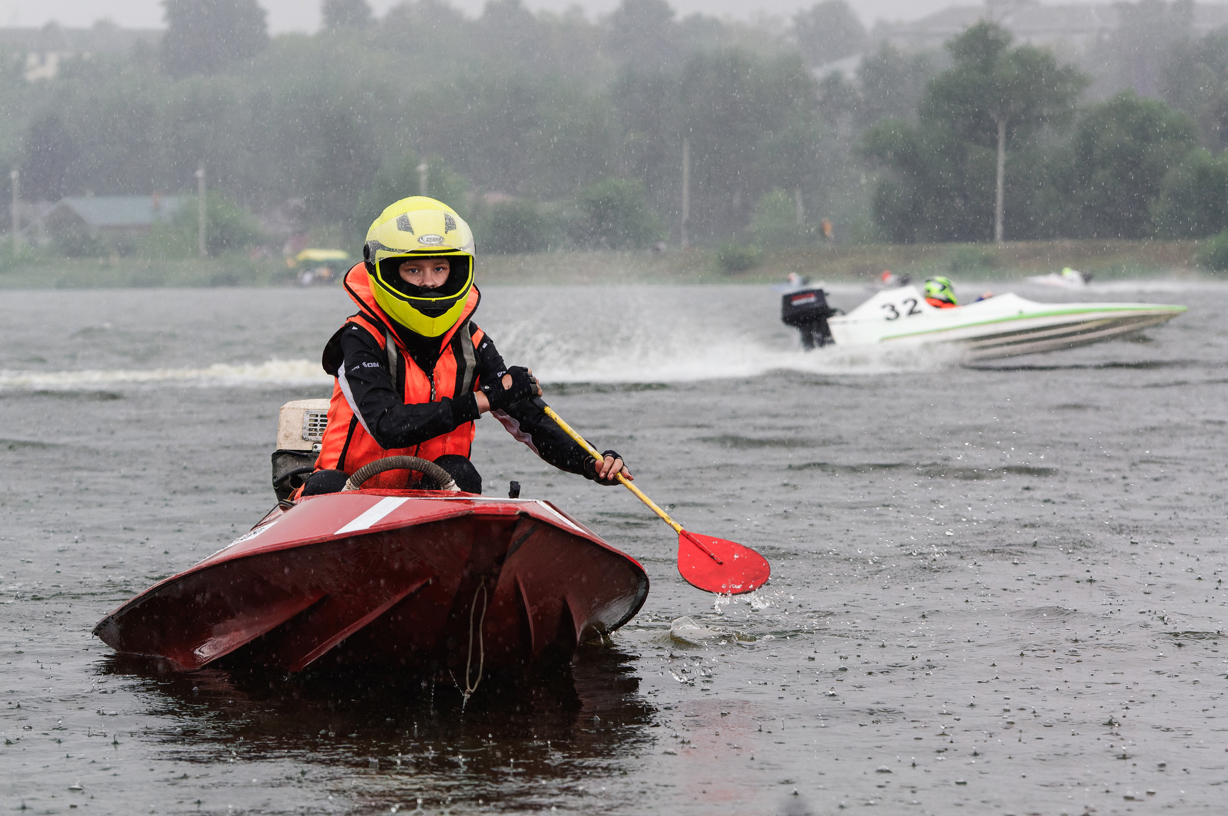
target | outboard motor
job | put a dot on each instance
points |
(300, 430)
(807, 311)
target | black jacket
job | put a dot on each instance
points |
(394, 424)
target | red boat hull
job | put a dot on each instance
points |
(394, 578)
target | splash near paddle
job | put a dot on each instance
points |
(711, 564)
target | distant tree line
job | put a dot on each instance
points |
(554, 130)
(1125, 167)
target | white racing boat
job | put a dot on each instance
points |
(1001, 326)
(1066, 279)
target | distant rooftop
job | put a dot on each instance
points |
(1080, 23)
(100, 213)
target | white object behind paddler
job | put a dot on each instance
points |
(1066, 279)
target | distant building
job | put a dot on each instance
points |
(43, 50)
(1077, 24)
(114, 216)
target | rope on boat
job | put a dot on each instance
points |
(468, 690)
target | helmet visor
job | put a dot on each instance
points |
(436, 299)
(429, 312)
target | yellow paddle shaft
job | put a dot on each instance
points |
(593, 452)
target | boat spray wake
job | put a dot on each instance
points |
(270, 372)
(636, 365)
(639, 335)
(696, 350)
(716, 363)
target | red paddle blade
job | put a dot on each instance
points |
(717, 565)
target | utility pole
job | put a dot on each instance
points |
(15, 208)
(424, 175)
(998, 193)
(200, 207)
(686, 192)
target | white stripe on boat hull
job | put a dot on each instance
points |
(1072, 335)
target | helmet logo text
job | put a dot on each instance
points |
(430, 240)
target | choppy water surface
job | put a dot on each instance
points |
(998, 588)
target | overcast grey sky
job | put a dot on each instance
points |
(303, 15)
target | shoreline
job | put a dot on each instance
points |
(1105, 260)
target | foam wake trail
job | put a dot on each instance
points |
(553, 363)
(571, 334)
(730, 359)
(272, 372)
(658, 336)
(671, 334)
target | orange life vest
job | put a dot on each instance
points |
(940, 304)
(347, 445)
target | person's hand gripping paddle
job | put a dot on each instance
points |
(712, 564)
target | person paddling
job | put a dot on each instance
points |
(413, 371)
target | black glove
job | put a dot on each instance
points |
(590, 469)
(524, 385)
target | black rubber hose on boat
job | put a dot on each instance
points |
(428, 469)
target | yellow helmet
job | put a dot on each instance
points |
(420, 227)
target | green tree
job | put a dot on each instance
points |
(1123, 148)
(614, 214)
(512, 228)
(402, 177)
(1214, 253)
(195, 119)
(703, 32)
(511, 33)
(729, 104)
(50, 154)
(936, 186)
(892, 84)
(433, 29)
(889, 85)
(648, 147)
(643, 33)
(205, 36)
(828, 31)
(1193, 200)
(840, 99)
(538, 105)
(1194, 79)
(345, 13)
(572, 146)
(311, 136)
(230, 228)
(774, 224)
(397, 179)
(533, 137)
(803, 157)
(1000, 94)
(1040, 188)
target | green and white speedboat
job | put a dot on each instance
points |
(1001, 326)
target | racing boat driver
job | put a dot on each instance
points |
(940, 293)
(413, 371)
